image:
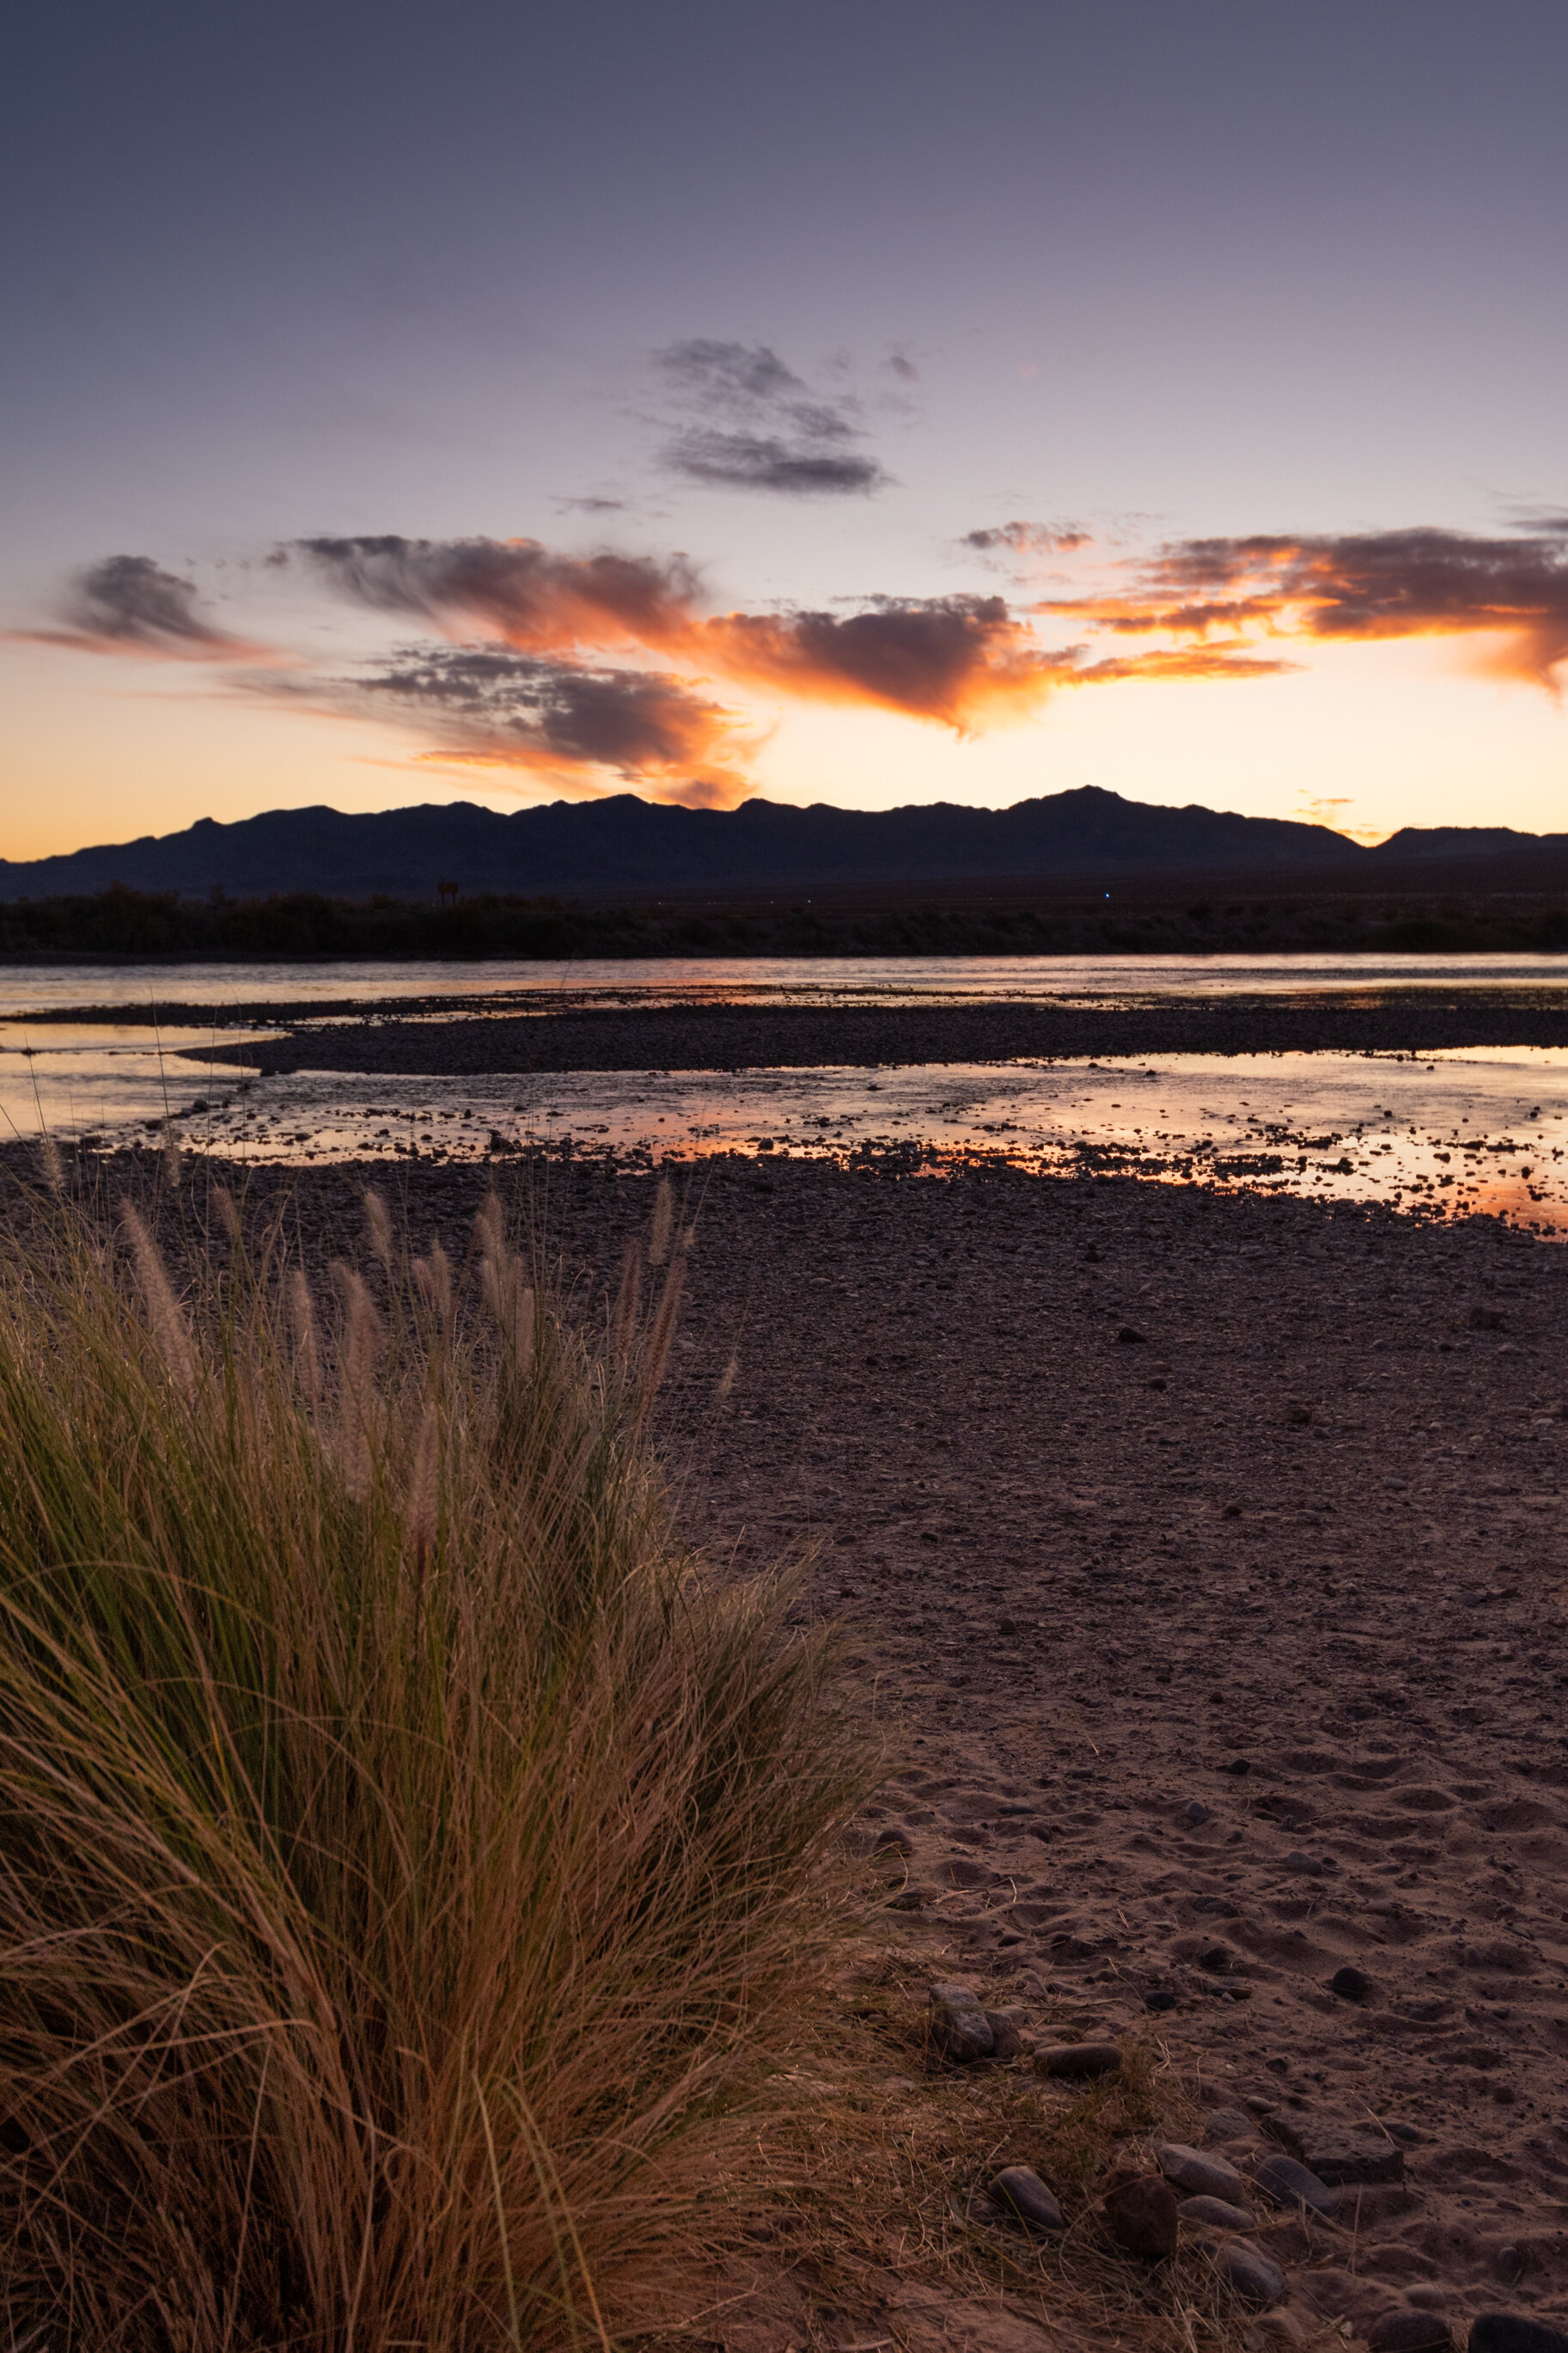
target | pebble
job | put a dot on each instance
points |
(1229, 2124)
(1309, 1864)
(1198, 1812)
(1256, 2277)
(1216, 2214)
(960, 2027)
(1199, 2176)
(1006, 2043)
(1350, 1984)
(1021, 2187)
(1404, 2329)
(1078, 2059)
(1161, 1998)
(1509, 2332)
(1290, 2184)
(1143, 2217)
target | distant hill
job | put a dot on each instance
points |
(627, 848)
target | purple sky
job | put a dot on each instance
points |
(862, 404)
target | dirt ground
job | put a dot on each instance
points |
(1201, 1558)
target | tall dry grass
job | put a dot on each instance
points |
(407, 1859)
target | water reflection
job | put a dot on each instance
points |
(507, 984)
(1444, 1135)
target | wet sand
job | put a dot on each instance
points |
(1379, 1019)
(1204, 1557)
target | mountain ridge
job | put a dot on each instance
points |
(627, 845)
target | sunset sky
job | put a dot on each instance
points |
(859, 403)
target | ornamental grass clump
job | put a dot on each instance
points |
(408, 1857)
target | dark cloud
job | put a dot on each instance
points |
(531, 597)
(1026, 539)
(746, 461)
(1424, 582)
(128, 604)
(585, 728)
(963, 661)
(589, 506)
(760, 426)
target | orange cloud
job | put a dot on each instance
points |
(583, 730)
(1359, 586)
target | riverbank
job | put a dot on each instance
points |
(1203, 1557)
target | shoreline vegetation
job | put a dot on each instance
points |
(1184, 915)
(417, 1858)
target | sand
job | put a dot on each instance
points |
(1202, 1558)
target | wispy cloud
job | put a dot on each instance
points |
(753, 424)
(130, 605)
(583, 728)
(1021, 541)
(966, 662)
(1419, 583)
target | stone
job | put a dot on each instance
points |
(1290, 2184)
(1198, 1812)
(1196, 2175)
(959, 2027)
(1216, 1907)
(1229, 2124)
(1350, 1984)
(1405, 2329)
(1006, 2043)
(889, 1844)
(1336, 2153)
(1078, 2059)
(1427, 2294)
(1308, 1864)
(1129, 1337)
(1144, 2218)
(1342, 2158)
(1020, 2187)
(1161, 1998)
(1216, 2214)
(1509, 2332)
(1283, 2328)
(1256, 2277)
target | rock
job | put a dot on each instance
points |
(1079, 2059)
(1161, 1998)
(1427, 2294)
(1256, 2277)
(1282, 2326)
(1509, 2332)
(1237, 1765)
(1216, 2214)
(1006, 2043)
(1229, 2124)
(1020, 2187)
(1307, 1864)
(1129, 1337)
(1198, 1812)
(1142, 2216)
(1350, 1984)
(959, 2028)
(1291, 2184)
(1216, 1907)
(889, 1844)
(1404, 2329)
(1196, 2175)
(1336, 2153)
(1342, 2158)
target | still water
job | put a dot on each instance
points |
(237, 989)
(1469, 1129)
